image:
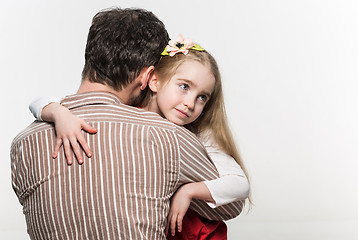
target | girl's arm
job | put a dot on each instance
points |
(38, 104)
(232, 184)
(68, 127)
(181, 200)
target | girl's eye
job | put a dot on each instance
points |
(184, 86)
(203, 98)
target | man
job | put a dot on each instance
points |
(138, 159)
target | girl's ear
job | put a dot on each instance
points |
(153, 83)
(147, 73)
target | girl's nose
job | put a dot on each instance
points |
(189, 102)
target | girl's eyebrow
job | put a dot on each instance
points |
(193, 84)
(187, 81)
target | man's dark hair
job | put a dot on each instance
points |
(120, 43)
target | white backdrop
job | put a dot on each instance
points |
(290, 79)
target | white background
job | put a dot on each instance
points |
(290, 79)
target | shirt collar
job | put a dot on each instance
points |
(90, 98)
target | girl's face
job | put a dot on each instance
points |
(182, 98)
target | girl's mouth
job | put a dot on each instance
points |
(182, 113)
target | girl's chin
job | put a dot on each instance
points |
(177, 121)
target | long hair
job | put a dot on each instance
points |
(213, 117)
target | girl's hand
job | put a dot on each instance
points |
(179, 205)
(68, 130)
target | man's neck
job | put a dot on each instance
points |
(87, 86)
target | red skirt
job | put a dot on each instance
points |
(199, 228)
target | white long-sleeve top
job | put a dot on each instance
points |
(232, 184)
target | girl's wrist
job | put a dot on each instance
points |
(198, 190)
(189, 190)
(53, 111)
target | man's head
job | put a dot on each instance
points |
(120, 44)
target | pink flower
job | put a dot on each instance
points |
(180, 45)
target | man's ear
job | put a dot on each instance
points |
(147, 73)
(153, 83)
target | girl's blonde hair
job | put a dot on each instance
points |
(213, 117)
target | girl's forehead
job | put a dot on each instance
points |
(193, 65)
(197, 74)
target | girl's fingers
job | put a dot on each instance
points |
(68, 151)
(72, 142)
(173, 224)
(57, 147)
(87, 127)
(76, 150)
(180, 222)
(84, 145)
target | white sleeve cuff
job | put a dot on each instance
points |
(227, 189)
(38, 104)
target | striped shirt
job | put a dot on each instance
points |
(123, 191)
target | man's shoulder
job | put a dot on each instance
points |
(123, 114)
(34, 128)
(157, 123)
(188, 141)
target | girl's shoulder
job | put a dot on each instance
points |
(207, 139)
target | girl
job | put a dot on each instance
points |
(186, 89)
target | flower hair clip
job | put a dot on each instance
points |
(181, 45)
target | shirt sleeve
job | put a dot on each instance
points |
(232, 184)
(196, 166)
(38, 104)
